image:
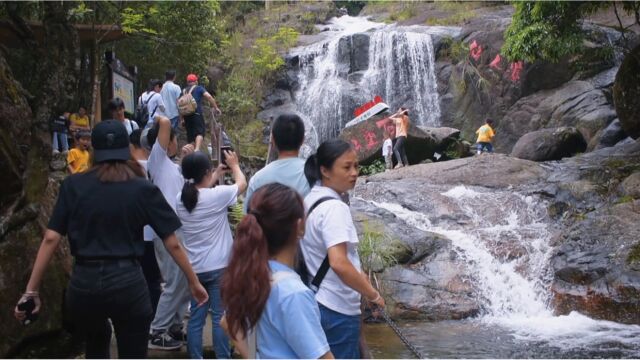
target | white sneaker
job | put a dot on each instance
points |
(55, 152)
(398, 166)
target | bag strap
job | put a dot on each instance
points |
(324, 267)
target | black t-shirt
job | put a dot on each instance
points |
(105, 220)
(59, 124)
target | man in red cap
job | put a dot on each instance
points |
(194, 123)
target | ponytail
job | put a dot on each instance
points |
(195, 167)
(189, 196)
(325, 157)
(312, 170)
(268, 228)
(246, 282)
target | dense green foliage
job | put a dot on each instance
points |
(550, 30)
(377, 166)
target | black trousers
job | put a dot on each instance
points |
(114, 290)
(152, 274)
(399, 150)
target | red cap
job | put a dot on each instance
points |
(192, 78)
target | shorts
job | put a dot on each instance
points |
(194, 124)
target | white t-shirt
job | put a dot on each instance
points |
(331, 224)
(130, 126)
(148, 231)
(387, 147)
(165, 174)
(155, 104)
(206, 234)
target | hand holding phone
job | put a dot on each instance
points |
(28, 307)
(223, 155)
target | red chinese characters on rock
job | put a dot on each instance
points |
(495, 64)
(516, 69)
(356, 144)
(370, 137)
(475, 50)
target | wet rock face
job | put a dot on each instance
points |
(549, 144)
(626, 93)
(430, 281)
(597, 267)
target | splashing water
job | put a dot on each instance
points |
(515, 291)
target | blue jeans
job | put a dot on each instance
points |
(485, 145)
(211, 281)
(60, 140)
(175, 121)
(343, 333)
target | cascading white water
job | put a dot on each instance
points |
(402, 65)
(515, 291)
(400, 69)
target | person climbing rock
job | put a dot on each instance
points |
(485, 137)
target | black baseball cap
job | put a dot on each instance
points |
(110, 141)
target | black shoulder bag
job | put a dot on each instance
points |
(301, 266)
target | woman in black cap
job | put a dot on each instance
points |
(103, 212)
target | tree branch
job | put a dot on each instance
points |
(622, 29)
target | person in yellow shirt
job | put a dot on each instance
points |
(78, 157)
(485, 136)
(79, 121)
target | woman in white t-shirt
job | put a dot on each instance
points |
(330, 233)
(207, 239)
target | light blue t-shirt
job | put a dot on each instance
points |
(170, 93)
(289, 327)
(289, 171)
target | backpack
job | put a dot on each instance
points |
(141, 115)
(187, 104)
(130, 125)
(301, 266)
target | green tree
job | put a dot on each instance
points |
(549, 30)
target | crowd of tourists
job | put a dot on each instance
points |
(153, 247)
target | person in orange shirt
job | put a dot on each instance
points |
(79, 121)
(78, 157)
(401, 120)
(485, 136)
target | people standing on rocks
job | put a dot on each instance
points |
(116, 108)
(270, 312)
(330, 244)
(78, 157)
(194, 123)
(287, 135)
(401, 121)
(387, 150)
(148, 262)
(103, 212)
(59, 129)
(207, 239)
(170, 94)
(155, 105)
(79, 121)
(166, 328)
(485, 137)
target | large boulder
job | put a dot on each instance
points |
(609, 136)
(367, 138)
(597, 265)
(626, 92)
(549, 144)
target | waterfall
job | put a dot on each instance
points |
(335, 76)
(402, 71)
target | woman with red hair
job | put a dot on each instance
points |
(265, 299)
